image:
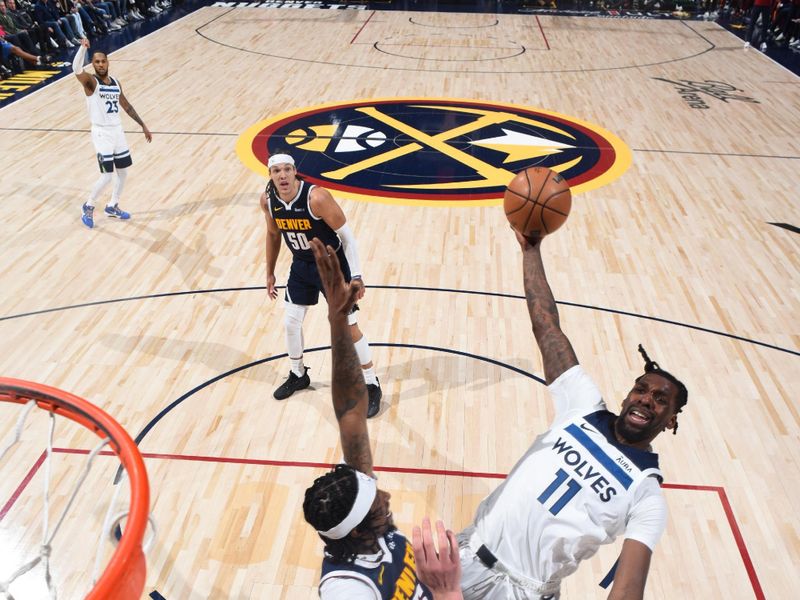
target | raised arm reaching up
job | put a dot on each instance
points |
(348, 388)
(556, 349)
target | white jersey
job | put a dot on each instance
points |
(104, 105)
(575, 489)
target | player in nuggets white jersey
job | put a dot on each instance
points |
(104, 98)
(590, 478)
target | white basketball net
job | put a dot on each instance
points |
(48, 534)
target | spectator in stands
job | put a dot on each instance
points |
(794, 34)
(97, 16)
(785, 30)
(136, 10)
(7, 50)
(94, 25)
(13, 34)
(50, 20)
(24, 21)
(761, 8)
(107, 10)
(70, 12)
(62, 19)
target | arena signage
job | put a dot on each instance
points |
(694, 93)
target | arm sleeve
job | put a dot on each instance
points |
(77, 62)
(648, 517)
(346, 588)
(350, 249)
(573, 390)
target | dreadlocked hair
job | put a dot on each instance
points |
(651, 366)
(327, 502)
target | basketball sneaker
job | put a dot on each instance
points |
(117, 212)
(292, 384)
(375, 395)
(87, 215)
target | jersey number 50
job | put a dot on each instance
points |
(298, 241)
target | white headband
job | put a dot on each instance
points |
(278, 159)
(367, 488)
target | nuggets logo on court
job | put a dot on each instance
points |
(433, 151)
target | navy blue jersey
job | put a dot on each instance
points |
(392, 573)
(298, 224)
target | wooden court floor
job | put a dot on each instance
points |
(163, 320)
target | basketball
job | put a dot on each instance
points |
(537, 201)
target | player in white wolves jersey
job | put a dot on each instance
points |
(591, 477)
(104, 98)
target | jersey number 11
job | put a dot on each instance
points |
(573, 487)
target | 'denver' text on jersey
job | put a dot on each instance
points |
(298, 224)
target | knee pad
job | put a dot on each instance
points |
(294, 315)
(293, 320)
(363, 351)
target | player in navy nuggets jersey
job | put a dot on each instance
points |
(591, 477)
(365, 557)
(104, 98)
(299, 212)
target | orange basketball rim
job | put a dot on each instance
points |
(124, 576)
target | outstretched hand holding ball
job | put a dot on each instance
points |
(537, 202)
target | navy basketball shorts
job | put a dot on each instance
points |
(304, 285)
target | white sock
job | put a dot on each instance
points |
(99, 185)
(369, 375)
(364, 358)
(119, 183)
(298, 368)
(293, 322)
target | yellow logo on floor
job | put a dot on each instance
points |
(19, 84)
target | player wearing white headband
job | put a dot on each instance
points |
(300, 212)
(104, 98)
(366, 558)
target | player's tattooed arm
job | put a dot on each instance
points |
(347, 378)
(128, 108)
(349, 398)
(357, 452)
(347, 386)
(556, 349)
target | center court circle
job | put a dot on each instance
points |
(433, 151)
